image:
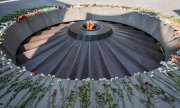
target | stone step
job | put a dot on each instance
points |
(30, 54)
(140, 45)
(44, 36)
(145, 60)
(153, 46)
(33, 63)
(31, 45)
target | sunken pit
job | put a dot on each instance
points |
(90, 49)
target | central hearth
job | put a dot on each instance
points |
(90, 30)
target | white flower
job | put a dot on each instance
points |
(42, 75)
(53, 76)
(178, 52)
(108, 83)
(104, 79)
(4, 55)
(151, 75)
(152, 72)
(138, 73)
(145, 72)
(30, 74)
(68, 79)
(2, 58)
(92, 79)
(116, 77)
(1, 52)
(8, 63)
(23, 69)
(163, 63)
(52, 84)
(76, 79)
(87, 79)
(112, 79)
(59, 80)
(20, 71)
(164, 71)
(100, 79)
(9, 60)
(135, 74)
(10, 67)
(176, 68)
(49, 75)
(159, 69)
(18, 67)
(171, 63)
(167, 21)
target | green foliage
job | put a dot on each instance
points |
(177, 20)
(10, 17)
(162, 49)
(147, 11)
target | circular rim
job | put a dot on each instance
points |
(77, 31)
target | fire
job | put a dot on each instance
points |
(89, 25)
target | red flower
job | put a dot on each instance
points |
(24, 16)
(69, 6)
(34, 72)
(17, 20)
(37, 12)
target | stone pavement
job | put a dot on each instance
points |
(168, 7)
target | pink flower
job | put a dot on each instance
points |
(175, 59)
(178, 45)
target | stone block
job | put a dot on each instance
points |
(10, 42)
(148, 24)
(134, 19)
(61, 13)
(36, 23)
(21, 31)
(72, 15)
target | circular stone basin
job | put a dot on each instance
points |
(110, 49)
(99, 31)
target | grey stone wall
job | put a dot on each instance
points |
(18, 32)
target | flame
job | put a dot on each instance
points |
(89, 25)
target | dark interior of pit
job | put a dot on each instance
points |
(125, 52)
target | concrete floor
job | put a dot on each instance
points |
(168, 7)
